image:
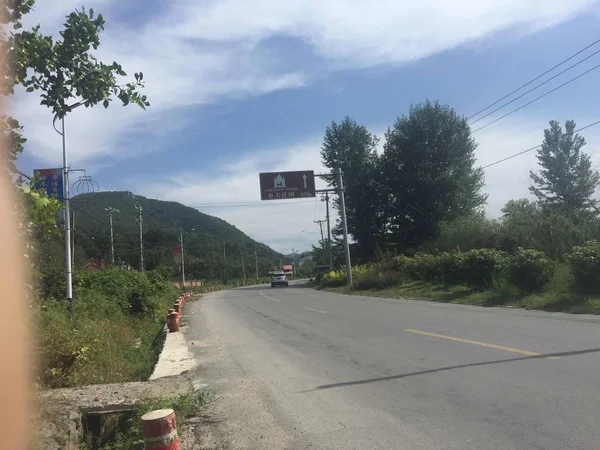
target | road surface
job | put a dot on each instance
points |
(297, 368)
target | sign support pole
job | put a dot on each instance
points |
(344, 226)
(68, 265)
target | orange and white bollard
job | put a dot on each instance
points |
(176, 307)
(173, 322)
(160, 430)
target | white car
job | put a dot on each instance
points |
(279, 279)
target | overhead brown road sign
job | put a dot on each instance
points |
(287, 185)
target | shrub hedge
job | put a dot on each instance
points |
(585, 263)
(526, 270)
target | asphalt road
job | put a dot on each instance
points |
(298, 368)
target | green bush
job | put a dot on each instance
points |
(479, 267)
(530, 270)
(451, 267)
(585, 263)
(467, 233)
(374, 276)
(335, 278)
(425, 267)
(118, 316)
(131, 291)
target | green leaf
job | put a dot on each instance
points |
(105, 103)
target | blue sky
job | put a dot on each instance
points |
(238, 87)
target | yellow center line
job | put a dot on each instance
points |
(270, 298)
(481, 344)
(315, 310)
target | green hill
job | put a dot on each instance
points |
(214, 249)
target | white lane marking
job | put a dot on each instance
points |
(270, 298)
(315, 310)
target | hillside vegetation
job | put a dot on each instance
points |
(212, 251)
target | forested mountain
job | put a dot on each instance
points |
(215, 247)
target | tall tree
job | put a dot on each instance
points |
(353, 148)
(63, 71)
(429, 171)
(566, 181)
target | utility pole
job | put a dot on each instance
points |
(328, 230)
(140, 221)
(73, 240)
(320, 223)
(344, 225)
(294, 260)
(224, 264)
(111, 210)
(182, 260)
(181, 235)
(243, 268)
(256, 261)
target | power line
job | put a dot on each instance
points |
(534, 148)
(535, 79)
(536, 99)
(536, 87)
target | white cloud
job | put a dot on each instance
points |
(365, 33)
(234, 185)
(196, 53)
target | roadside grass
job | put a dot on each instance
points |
(555, 298)
(185, 406)
(115, 335)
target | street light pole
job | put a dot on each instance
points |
(67, 213)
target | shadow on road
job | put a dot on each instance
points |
(442, 369)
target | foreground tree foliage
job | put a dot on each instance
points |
(425, 176)
(62, 72)
(430, 174)
(352, 148)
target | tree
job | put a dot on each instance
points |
(525, 224)
(566, 180)
(429, 172)
(63, 71)
(353, 148)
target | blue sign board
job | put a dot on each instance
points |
(51, 181)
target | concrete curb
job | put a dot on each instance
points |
(175, 357)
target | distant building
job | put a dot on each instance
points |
(94, 265)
